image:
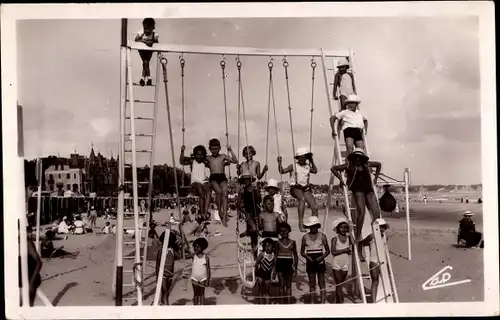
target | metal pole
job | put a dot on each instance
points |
(118, 278)
(38, 201)
(407, 200)
(163, 259)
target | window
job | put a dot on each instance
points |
(51, 187)
(51, 177)
(68, 176)
(68, 187)
(74, 175)
(59, 176)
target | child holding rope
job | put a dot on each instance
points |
(218, 179)
(315, 249)
(341, 251)
(200, 271)
(199, 178)
(148, 37)
(286, 261)
(353, 124)
(300, 186)
(168, 271)
(250, 169)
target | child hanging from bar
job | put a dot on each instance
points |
(250, 169)
(148, 37)
(199, 179)
(343, 83)
(300, 187)
(168, 271)
(353, 124)
(218, 180)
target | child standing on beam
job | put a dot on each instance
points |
(148, 37)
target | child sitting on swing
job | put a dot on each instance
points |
(218, 180)
(148, 37)
(250, 169)
(300, 186)
(353, 124)
(199, 179)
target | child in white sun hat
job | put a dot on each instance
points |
(341, 251)
(343, 83)
(353, 123)
(300, 173)
(272, 188)
(315, 249)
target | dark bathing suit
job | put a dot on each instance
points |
(218, 177)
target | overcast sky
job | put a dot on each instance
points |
(418, 79)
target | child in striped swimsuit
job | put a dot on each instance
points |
(286, 261)
(315, 249)
(199, 177)
(266, 269)
(341, 251)
(200, 276)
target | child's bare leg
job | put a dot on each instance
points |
(360, 200)
(308, 196)
(349, 142)
(282, 286)
(360, 144)
(339, 277)
(207, 194)
(224, 193)
(322, 287)
(202, 293)
(374, 273)
(217, 188)
(299, 195)
(195, 293)
(373, 206)
(312, 286)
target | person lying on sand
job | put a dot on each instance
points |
(48, 250)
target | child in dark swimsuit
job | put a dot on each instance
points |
(269, 219)
(218, 180)
(286, 261)
(266, 269)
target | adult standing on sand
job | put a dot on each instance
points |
(93, 217)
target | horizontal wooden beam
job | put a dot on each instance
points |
(242, 51)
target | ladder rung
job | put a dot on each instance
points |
(129, 285)
(143, 151)
(128, 271)
(138, 84)
(140, 134)
(128, 257)
(139, 182)
(141, 118)
(141, 101)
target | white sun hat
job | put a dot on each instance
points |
(468, 213)
(381, 222)
(311, 221)
(343, 62)
(337, 222)
(302, 151)
(272, 183)
(353, 98)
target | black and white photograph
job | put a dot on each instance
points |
(259, 157)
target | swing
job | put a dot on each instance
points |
(183, 63)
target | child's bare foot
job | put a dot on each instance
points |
(302, 229)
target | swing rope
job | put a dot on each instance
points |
(313, 66)
(285, 65)
(223, 68)
(271, 86)
(182, 63)
(270, 65)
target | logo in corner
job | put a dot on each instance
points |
(440, 280)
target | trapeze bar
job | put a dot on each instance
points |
(242, 51)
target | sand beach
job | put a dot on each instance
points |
(87, 279)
